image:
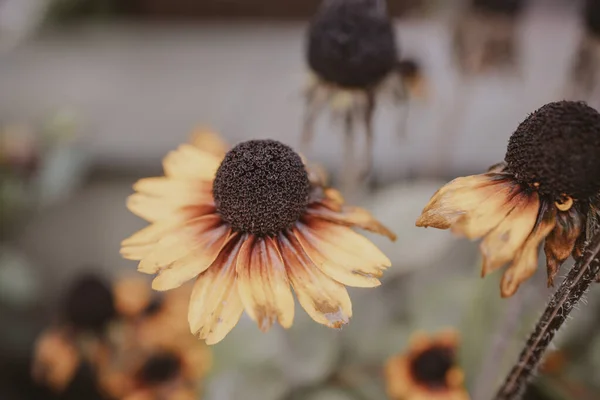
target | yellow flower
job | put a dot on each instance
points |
(546, 189)
(55, 359)
(427, 371)
(249, 225)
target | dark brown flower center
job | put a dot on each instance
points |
(160, 368)
(89, 304)
(431, 367)
(261, 187)
(557, 151)
(351, 43)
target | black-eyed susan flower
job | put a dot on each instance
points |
(55, 359)
(249, 226)
(485, 36)
(545, 190)
(89, 305)
(428, 370)
(353, 56)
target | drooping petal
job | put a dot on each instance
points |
(457, 198)
(325, 300)
(189, 162)
(351, 216)
(503, 242)
(341, 253)
(479, 221)
(561, 241)
(215, 305)
(526, 261)
(263, 284)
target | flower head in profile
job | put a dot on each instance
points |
(249, 226)
(546, 190)
(427, 370)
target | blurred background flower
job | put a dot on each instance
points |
(95, 92)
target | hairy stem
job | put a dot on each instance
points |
(562, 303)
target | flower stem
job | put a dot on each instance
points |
(562, 303)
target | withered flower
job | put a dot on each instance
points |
(546, 189)
(485, 36)
(584, 76)
(427, 370)
(353, 56)
(247, 225)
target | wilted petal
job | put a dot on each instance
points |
(341, 253)
(263, 283)
(490, 212)
(503, 242)
(325, 300)
(215, 305)
(526, 261)
(457, 198)
(561, 241)
(352, 216)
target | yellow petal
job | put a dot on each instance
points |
(352, 216)
(397, 377)
(479, 221)
(215, 306)
(179, 242)
(561, 241)
(210, 142)
(456, 198)
(176, 191)
(263, 283)
(189, 162)
(341, 253)
(526, 261)
(502, 243)
(325, 300)
(150, 208)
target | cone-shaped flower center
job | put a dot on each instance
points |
(89, 304)
(557, 149)
(160, 368)
(261, 187)
(352, 43)
(431, 367)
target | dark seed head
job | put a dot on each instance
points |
(160, 368)
(558, 147)
(261, 187)
(89, 304)
(506, 7)
(351, 43)
(431, 367)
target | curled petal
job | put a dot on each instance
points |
(352, 216)
(526, 261)
(263, 283)
(189, 162)
(561, 241)
(490, 212)
(341, 253)
(457, 198)
(503, 242)
(215, 305)
(325, 300)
